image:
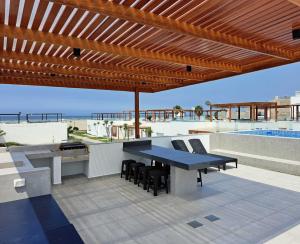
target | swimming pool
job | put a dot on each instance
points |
(278, 133)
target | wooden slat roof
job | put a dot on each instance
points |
(142, 45)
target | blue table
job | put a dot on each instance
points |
(180, 159)
(35, 220)
(184, 165)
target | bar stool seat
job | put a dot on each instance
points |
(125, 167)
(154, 180)
(133, 172)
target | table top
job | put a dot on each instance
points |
(181, 159)
(35, 220)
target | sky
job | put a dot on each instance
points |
(256, 86)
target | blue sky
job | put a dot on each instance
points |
(256, 86)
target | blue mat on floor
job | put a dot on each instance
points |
(35, 220)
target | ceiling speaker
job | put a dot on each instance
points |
(296, 34)
(76, 52)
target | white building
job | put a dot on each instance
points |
(295, 100)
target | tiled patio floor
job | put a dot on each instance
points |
(253, 206)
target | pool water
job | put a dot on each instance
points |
(278, 133)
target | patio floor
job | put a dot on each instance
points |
(244, 205)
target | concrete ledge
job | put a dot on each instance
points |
(264, 162)
(37, 184)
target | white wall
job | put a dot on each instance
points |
(175, 128)
(35, 133)
(295, 100)
(106, 158)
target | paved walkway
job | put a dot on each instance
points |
(244, 205)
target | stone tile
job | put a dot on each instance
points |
(253, 205)
(291, 236)
(256, 232)
(249, 210)
(229, 220)
(293, 210)
(230, 238)
(169, 235)
(105, 233)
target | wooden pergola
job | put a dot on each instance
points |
(254, 108)
(142, 45)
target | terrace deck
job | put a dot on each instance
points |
(248, 203)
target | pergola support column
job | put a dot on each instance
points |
(266, 113)
(137, 114)
(256, 113)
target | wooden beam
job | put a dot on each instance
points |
(54, 83)
(296, 2)
(68, 41)
(94, 67)
(80, 81)
(171, 25)
(61, 71)
(84, 79)
(137, 113)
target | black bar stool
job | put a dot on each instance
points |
(134, 170)
(200, 177)
(143, 175)
(125, 167)
(154, 180)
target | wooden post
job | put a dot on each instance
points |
(256, 113)
(276, 115)
(266, 114)
(137, 114)
(210, 113)
(297, 112)
(251, 113)
(239, 113)
(230, 114)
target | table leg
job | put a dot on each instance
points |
(183, 181)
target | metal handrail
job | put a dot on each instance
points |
(17, 114)
(44, 117)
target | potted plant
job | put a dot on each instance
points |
(70, 131)
(177, 109)
(149, 117)
(198, 111)
(149, 131)
(107, 127)
(2, 133)
(126, 131)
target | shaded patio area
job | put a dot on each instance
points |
(245, 205)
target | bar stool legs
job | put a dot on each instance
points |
(200, 177)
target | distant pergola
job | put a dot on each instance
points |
(254, 108)
(142, 46)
